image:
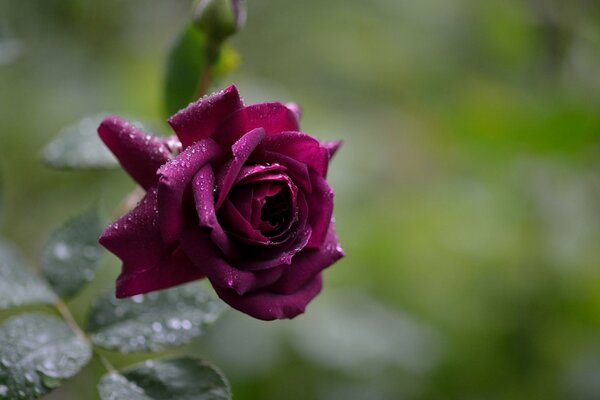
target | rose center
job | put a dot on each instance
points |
(275, 213)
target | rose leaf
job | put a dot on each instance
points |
(182, 378)
(71, 255)
(37, 352)
(154, 321)
(78, 146)
(18, 285)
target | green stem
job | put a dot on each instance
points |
(65, 312)
(212, 54)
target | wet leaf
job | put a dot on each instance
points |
(36, 349)
(153, 321)
(183, 378)
(18, 285)
(187, 64)
(71, 255)
(79, 147)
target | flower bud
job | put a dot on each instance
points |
(220, 18)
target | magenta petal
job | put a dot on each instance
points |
(239, 225)
(175, 176)
(296, 109)
(308, 263)
(203, 186)
(139, 154)
(320, 206)
(199, 120)
(272, 117)
(331, 146)
(258, 169)
(296, 170)
(300, 147)
(174, 270)
(199, 248)
(148, 264)
(241, 151)
(269, 306)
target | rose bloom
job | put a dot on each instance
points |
(238, 196)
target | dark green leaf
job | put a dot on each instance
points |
(153, 321)
(183, 378)
(71, 255)
(18, 285)
(188, 63)
(79, 147)
(37, 349)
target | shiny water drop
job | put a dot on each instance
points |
(62, 251)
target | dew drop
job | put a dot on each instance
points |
(187, 325)
(174, 324)
(138, 299)
(62, 251)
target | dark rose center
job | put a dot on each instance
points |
(275, 213)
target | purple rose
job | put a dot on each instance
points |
(241, 198)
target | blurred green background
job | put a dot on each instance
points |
(467, 191)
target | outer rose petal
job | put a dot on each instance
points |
(332, 146)
(268, 306)
(199, 248)
(175, 176)
(320, 209)
(241, 151)
(300, 147)
(139, 154)
(308, 263)
(199, 120)
(148, 264)
(273, 117)
(296, 109)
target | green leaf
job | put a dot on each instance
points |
(188, 63)
(37, 349)
(79, 147)
(154, 321)
(183, 378)
(71, 255)
(18, 285)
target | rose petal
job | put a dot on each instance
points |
(295, 108)
(276, 256)
(241, 151)
(332, 146)
(148, 264)
(272, 117)
(199, 248)
(308, 263)
(320, 209)
(296, 170)
(174, 270)
(199, 120)
(139, 154)
(175, 176)
(202, 188)
(249, 170)
(268, 306)
(300, 147)
(240, 226)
